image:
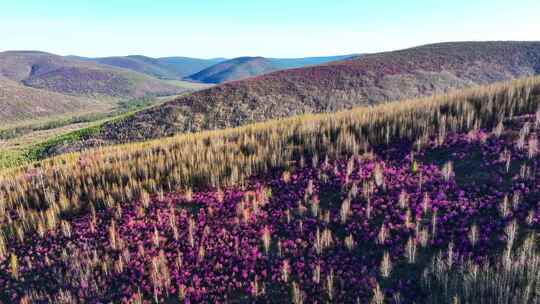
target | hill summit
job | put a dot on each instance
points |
(234, 69)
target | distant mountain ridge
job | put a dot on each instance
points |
(234, 69)
(175, 68)
(214, 70)
(291, 63)
(36, 85)
(245, 67)
(77, 77)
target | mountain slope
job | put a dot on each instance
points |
(141, 64)
(163, 68)
(368, 79)
(291, 63)
(19, 103)
(245, 67)
(234, 69)
(36, 85)
(76, 77)
(185, 66)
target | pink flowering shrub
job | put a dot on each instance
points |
(341, 230)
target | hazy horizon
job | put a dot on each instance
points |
(211, 29)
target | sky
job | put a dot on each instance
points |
(277, 28)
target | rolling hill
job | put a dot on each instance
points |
(365, 80)
(234, 69)
(214, 70)
(175, 68)
(35, 85)
(71, 76)
(21, 103)
(245, 67)
(186, 66)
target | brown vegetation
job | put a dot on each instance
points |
(76, 182)
(342, 85)
(76, 77)
(20, 103)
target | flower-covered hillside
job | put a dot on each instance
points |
(384, 227)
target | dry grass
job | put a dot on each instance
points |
(44, 193)
(513, 278)
(24, 105)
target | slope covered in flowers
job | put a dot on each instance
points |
(344, 230)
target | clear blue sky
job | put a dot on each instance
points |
(277, 28)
